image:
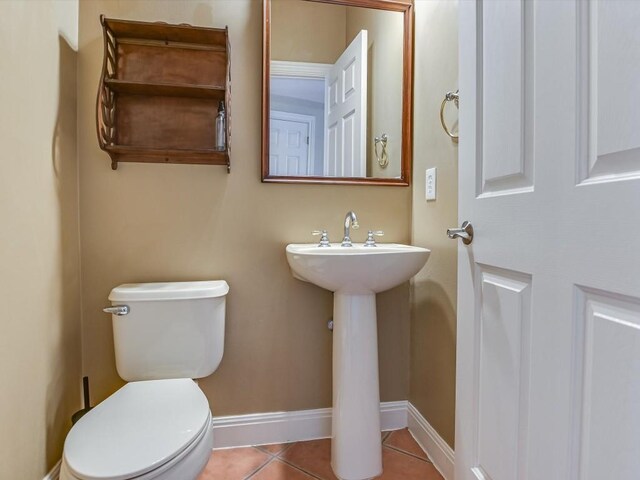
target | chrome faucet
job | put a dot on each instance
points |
(349, 221)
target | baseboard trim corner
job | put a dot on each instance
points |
(283, 427)
(439, 451)
(54, 473)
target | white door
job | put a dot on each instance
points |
(346, 112)
(548, 371)
(290, 144)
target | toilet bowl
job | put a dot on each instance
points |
(159, 425)
(158, 429)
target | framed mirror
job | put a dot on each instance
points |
(337, 91)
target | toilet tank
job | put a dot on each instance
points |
(172, 330)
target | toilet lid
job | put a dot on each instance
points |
(137, 429)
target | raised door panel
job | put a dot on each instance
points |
(503, 338)
(349, 167)
(610, 69)
(608, 389)
(505, 135)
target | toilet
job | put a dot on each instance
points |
(159, 425)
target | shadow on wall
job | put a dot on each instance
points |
(65, 355)
(433, 379)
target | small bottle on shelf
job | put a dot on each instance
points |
(221, 128)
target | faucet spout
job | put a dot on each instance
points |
(350, 221)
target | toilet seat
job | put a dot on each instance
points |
(142, 430)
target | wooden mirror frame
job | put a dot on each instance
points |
(403, 6)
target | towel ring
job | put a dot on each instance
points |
(383, 157)
(450, 96)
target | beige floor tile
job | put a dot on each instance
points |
(233, 464)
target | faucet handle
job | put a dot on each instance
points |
(324, 238)
(371, 241)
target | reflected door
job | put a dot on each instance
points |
(548, 372)
(346, 112)
(290, 145)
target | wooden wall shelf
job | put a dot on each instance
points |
(159, 93)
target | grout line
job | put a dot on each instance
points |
(409, 454)
(301, 469)
(273, 457)
(262, 448)
(287, 447)
(269, 460)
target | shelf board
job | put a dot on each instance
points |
(165, 89)
(166, 32)
(127, 153)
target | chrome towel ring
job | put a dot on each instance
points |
(450, 96)
(382, 157)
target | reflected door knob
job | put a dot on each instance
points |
(465, 232)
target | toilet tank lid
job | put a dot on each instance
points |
(168, 291)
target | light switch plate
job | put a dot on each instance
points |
(430, 189)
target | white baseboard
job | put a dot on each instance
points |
(439, 451)
(283, 427)
(54, 473)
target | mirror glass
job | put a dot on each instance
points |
(335, 91)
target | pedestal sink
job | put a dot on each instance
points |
(355, 274)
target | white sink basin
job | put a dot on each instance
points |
(355, 274)
(358, 269)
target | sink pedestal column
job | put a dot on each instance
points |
(356, 449)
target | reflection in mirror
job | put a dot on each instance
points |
(335, 91)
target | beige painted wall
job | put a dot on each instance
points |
(40, 356)
(384, 115)
(172, 222)
(433, 315)
(307, 32)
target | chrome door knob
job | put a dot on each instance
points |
(465, 232)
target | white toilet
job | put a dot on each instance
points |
(159, 425)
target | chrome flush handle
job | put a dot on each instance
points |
(118, 310)
(324, 238)
(465, 232)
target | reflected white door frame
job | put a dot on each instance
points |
(282, 68)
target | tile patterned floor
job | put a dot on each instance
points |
(402, 459)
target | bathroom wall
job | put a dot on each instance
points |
(385, 65)
(182, 222)
(307, 32)
(433, 312)
(40, 354)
